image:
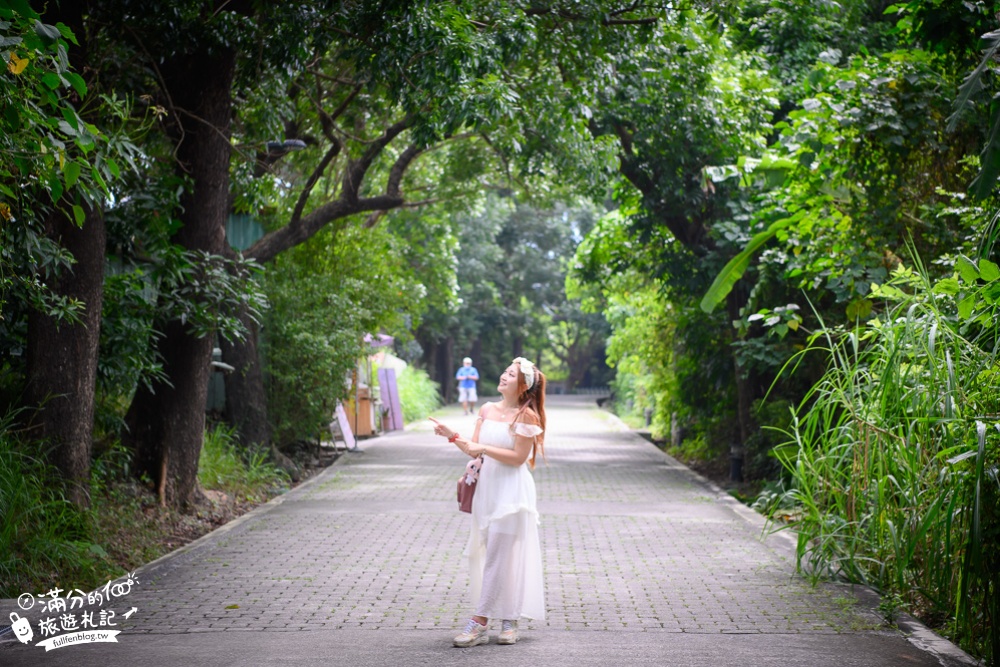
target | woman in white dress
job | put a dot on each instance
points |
(505, 559)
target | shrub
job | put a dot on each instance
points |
(44, 538)
(893, 455)
(418, 394)
(245, 476)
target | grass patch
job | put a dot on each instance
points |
(44, 539)
(246, 476)
(893, 456)
(47, 542)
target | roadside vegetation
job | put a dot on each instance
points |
(769, 225)
(47, 541)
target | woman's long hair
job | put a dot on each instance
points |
(534, 400)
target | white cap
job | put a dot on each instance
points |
(467, 360)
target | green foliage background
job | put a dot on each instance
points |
(700, 194)
(325, 296)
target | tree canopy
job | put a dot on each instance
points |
(718, 200)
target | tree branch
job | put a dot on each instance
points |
(499, 154)
(328, 120)
(399, 167)
(313, 178)
(373, 219)
(691, 233)
(294, 233)
(571, 16)
(625, 139)
(300, 228)
(357, 169)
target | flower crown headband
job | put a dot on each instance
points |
(528, 370)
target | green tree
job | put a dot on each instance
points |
(326, 295)
(511, 270)
(56, 170)
(683, 101)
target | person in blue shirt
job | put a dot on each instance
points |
(467, 377)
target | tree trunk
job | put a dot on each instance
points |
(476, 353)
(166, 425)
(246, 400)
(442, 369)
(744, 390)
(62, 357)
(574, 378)
(517, 346)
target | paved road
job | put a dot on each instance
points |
(645, 563)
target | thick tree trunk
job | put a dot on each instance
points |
(62, 357)
(166, 425)
(517, 346)
(246, 400)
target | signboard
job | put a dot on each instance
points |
(390, 397)
(340, 419)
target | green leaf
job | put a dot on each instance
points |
(859, 309)
(51, 80)
(77, 82)
(985, 182)
(67, 33)
(71, 173)
(46, 31)
(967, 270)
(973, 83)
(947, 286)
(737, 266)
(988, 270)
(67, 129)
(71, 117)
(23, 8)
(55, 186)
(100, 181)
(79, 214)
(966, 306)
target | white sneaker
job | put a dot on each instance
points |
(473, 635)
(508, 633)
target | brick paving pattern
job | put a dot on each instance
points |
(632, 542)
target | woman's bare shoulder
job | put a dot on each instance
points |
(529, 416)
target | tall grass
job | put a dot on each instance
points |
(43, 536)
(243, 475)
(893, 459)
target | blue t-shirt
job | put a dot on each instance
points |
(467, 376)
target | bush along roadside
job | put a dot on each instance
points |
(892, 458)
(419, 396)
(46, 541)
(44, 538)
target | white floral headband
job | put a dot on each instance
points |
(528, 369)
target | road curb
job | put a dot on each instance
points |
(222, 530)
(152, 566)
(918, 634)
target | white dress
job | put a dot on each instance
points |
(505, 558)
